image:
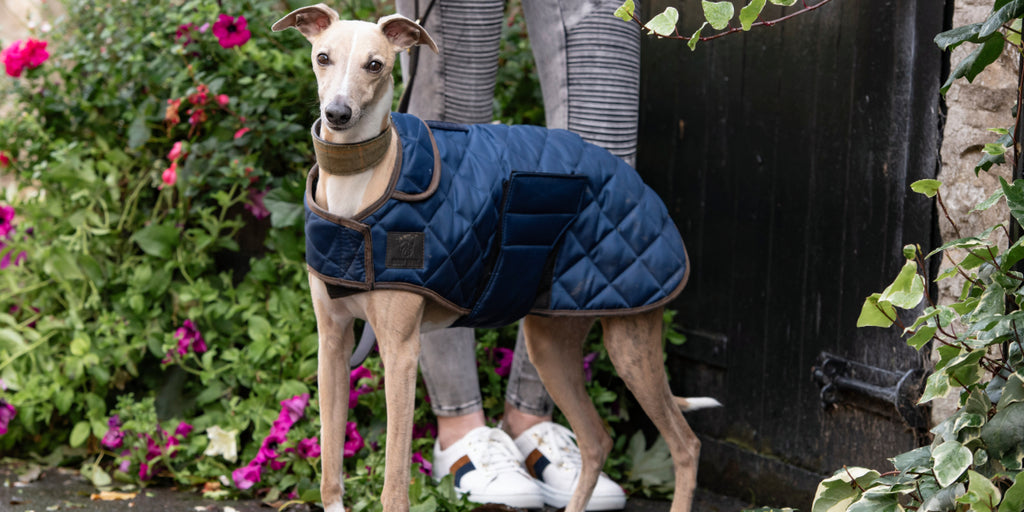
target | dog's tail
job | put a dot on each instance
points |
(696, 403)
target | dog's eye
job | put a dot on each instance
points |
(374, 66)
(322, 59)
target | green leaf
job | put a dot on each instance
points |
(907, 290)
(718, 14)
(749, 14)
(936, 386)
(922, 337)
(988, 203)
(157, 240)
(79, 434)
(877, 500)
(926, 187)
(952, 38)
(625, 11)
(695, 38)
(139, 131)
(1013, 35)
(1014, 198)
(283, 213)
(1013, 392)
(259, 329)
(664, 24)
(1005, 430)
(875, 313)
(652, 468)
(784, 3)
(837, 493)
(981, 495)
(977, 61)
(1013, 499)
(995, 21)
(913, 459)
(951, 460)
(910, 251)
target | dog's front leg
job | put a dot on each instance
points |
(334, 330)
(395, 317)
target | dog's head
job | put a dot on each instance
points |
(352, 61)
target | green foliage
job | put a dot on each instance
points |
(152, 281)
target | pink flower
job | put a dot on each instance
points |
(504, 363)
(114, 438)
(354, 377)
(6, 221)
(144, 472)
(196, 116)
(294, 408)
(23, 54)
(183, 430)
(419, 432)
(170, 174)
(223, 100)
(171, 112)
(188, 337)
(5, 260)
(308, 448)
(175, 152)
(255, 205)
(201, 96)
(7, 413)
(184, 34)
(6, 160)
(246, 477)
(241, 132)
(353, 441)
(425, 465)
(588, 360)
(230, 31)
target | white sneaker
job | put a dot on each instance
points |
(487, 466)
(553, 458)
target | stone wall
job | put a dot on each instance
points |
(973, 108)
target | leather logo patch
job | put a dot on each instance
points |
(404, 250)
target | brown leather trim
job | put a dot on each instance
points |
(531, 461)
(348, 159)
(459, 464)
(435, 177)
(340, 282)
(426, 292)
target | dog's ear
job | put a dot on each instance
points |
(405, 33)
(311, 20)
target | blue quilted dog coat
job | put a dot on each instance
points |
(497, 221)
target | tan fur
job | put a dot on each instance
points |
(397, 317)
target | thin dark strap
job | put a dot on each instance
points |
(414, 59)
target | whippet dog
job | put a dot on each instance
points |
(353, 61)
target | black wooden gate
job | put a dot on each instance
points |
(785, 156)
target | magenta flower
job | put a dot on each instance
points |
(188, 338)
(255, 204)
(5, 260)
(354, 377)
(247, 476)
(353, 441)
(7, 413)
(23, 54)
(5, 160)
(308, 448)
(503, 365)
(175, 152)
(184, 34)
(428, 430)
(425, 465)
(231, 32)
(588, 360)
(170, 174)
(294, 407)
(144, 473)
(6, 221)
(114, 438)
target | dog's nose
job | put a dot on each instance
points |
(338, 113)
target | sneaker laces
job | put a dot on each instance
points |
(563, 445)
(494, 451)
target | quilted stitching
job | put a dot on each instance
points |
(622, 252)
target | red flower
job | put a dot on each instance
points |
(175, 152)
(6, 160)
(201, 95)
(170, 174)
(223, 100)
(24, 54)
(241, 132)
(231, 32)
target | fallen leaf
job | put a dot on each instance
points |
(113, 496)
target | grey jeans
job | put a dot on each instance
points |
(588, 62)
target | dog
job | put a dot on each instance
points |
(356, 138)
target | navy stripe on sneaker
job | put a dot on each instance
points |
(460, 468)
(535, 464)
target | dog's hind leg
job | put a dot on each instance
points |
(634, 345)
(334, 330)
(555, 345)
(395, 317)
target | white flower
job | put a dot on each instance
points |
(222, 442)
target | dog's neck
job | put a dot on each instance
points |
(346, 189)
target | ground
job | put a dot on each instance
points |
(62, 489)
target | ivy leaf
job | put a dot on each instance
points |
(1014, 198)
(981, 495)
(875, 313)
(653, 467)
(877, 500)
(977, 61)
(952, 38)
(1007, 12)
(1013, 500)
(907, 290)
(784, 3)
(922, 337)
(936, 386)
(664, 24)
(838, 492)
(749, 14)
(1013, 392)
(913, 459)
(695, 38)
(926, 187)
(1005, 430)
(988, 203)
(951, 460)
(718, 14)
(625, 11)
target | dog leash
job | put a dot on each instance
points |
(414, 59)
